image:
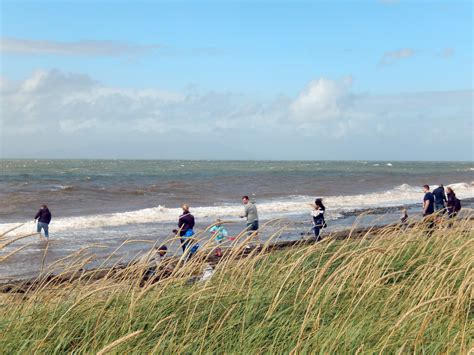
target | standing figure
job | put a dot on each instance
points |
(428, 209)
(440, 199)
(43, 218)
(185, 225)
(428, 201)
(318, 218)
(218, 232)
(453, 204)
(404, 218)
(251, 214)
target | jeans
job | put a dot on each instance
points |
(44, 227)
(439, 206)
(317, 232)
(252, 226)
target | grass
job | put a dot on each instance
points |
(397, 291)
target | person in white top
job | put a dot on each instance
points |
(318, 218)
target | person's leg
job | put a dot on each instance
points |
(184, 244)
(255, 229)
(252, 228)
(440, 207)
(249, 228)
(46, 229)
(218, 250)
(38, 227)
(317, 232)
(430, 224)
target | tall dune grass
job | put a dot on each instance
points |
(392, 291)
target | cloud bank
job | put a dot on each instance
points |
(57, 114)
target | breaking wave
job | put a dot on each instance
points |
(291, 205)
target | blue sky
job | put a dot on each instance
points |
(362, 78)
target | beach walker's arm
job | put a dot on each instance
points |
(426, 203)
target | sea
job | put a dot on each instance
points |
(125, 206)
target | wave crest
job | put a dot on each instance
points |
(293, 205)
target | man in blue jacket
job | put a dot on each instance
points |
(43, 218)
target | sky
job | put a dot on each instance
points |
(279, 80)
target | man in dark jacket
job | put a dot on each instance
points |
(439, 198)
(43, 218)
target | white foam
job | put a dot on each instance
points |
(61, 187)
(398, 196)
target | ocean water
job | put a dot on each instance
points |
(108, 201)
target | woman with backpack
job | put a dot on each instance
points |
(318, 218)
(453, 204)
(185, 225)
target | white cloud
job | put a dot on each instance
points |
(393, 57)
(81, 48)
(322, 100)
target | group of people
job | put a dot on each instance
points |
(186, 224)
(439, 201)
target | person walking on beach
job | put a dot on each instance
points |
(428, 201)
(439, 199)
(43, 218)
(318, 218)
(404, 218)
(250, 212)
(454, 204)
(185, 226)
(428, 208)
(218, 232)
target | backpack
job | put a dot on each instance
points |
(189, 233)
(457, 204)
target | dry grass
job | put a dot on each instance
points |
(392, 291)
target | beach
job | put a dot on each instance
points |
(102, 203)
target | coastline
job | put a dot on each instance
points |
(88, 275)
